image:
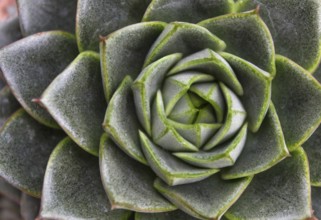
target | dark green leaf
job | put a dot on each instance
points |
(316, 201)
(8, 105)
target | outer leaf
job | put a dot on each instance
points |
(29, 207)
(282, 192)
(186, 10)
(72, 187)
(36, 61)
(316, 201)
(295, 26)
(75, 99)
(297, 101)
(8, 105)
(9, 31)
(246, 36)
(313, 150)
(46, 15)
(121, 122)
(207, 199)
(102, 17)
(122, 55)
(262, 149)
(25, 146)
(129, 185)
(177, 215)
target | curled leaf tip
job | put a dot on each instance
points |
(102, 38)
(257, 10)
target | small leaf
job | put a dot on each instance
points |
(36, 61)
(316, 201)
(129, 184)
(295, 26)
(174, 215)
(72, 186)
(313, 149)
(75, 100)
(121, 122)
(29, 207)
(246, 36)
(207, 199)
(262, 149)
(282, 192)
(8, 105)
(172, 170)
(185, 38)
(9, 31)
(25, 146)
(297, 102)
(102, 17)
(186, 10)
(46, 15)
(122, 55)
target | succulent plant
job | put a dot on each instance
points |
(163, 109)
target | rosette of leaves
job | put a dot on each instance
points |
(190, 110)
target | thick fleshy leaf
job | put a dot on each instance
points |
(29, 66)
(246, 36)
(121, 122)
(207, 199)
(146, 85)
(184, 111)
(262, 149)
(46, 15)
(29, 207)
(297, 102)
(282, 192)
(8, 104)
(295, 26)
(316, 201)
(174, 215)
(313, 149)
(207, 61)
(172, 170)
(72, 187)
(234, 119)
(9, 191)
(185, 38)
(186, 10)
(128, 184)
(25, 146)
(163, 133)
(122, 55)
(254, 81)
(9, 31)
(75, 100)
(102, 17)
(221, 156)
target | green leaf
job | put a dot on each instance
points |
(297, 102)
(295, 26)
(75, 99)
(121, 122)
(25, 146)
(172, 170)
(221, 156)
(72, 186)
(234, 119)
(207, 61)
(180, 37)
(36, 61)
(9, 31)
(246, 36)
(46, 15)
(129, 184)
(313, 149)
(122, 55)
(316, 201)
(207, 199)
(29, 207)
(254, 81)
(9, 191)
(8, 105)
(282, 192)
(146, 85)
(186, 10)
(102, 17)
(262, 149)
(174, 215)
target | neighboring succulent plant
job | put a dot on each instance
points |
(203, 119)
